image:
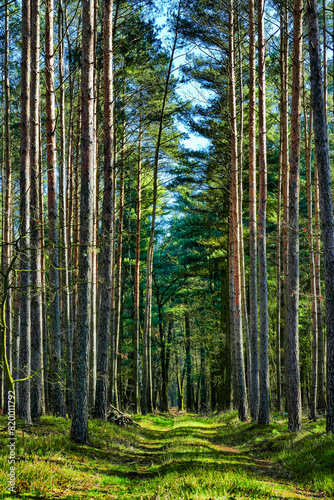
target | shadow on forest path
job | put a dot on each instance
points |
(174, 457)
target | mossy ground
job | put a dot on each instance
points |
(172, 456)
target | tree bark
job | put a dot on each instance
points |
(7, 237)
(107, 230)
(308, 153)
(137, 278)
(294, 398)
(239, 356)
(24, 298)
(190, 399)
(63, 247)
(35, 234)
(55, 334)
(263, 416)
(241, 226)
(285, 186)
(326, 204)
(253, 325)
(321, 353)
(79, 429)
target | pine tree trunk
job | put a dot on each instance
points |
(55, 333)
(118, 294)
(163, 359)
(137, 280)
(285, 187)
(308, 153)
(107, 230)
(35, 274)
(263, 417)
(294, 397)
(239, 356)
(326, 204)
(241, 226)
(93, 328)
(190, 401)
(321, 353)
(7, 250)
(253, 325)
(63, 247)
(79, 429)
(24, 298)
(279, 227)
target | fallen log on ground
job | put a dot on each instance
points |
(119, 418)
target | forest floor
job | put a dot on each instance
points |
(172, 456)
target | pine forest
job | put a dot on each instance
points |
(167, 249)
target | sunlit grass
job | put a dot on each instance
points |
(184, 457)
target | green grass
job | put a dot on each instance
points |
(172, 457)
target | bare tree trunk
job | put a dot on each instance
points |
(285, 185)
(308, 152)
(279, 228)
(294, 397)
(24, 299)
(93, 330)
(321, 353)
(107, 232)
(241, 226)
(239, 357)
(7, 237)
(35, 274)
(45, 326)
(253, 327)
(137, 280)
(63, 252)
(326, 204)
(55, 334)
(79, 430)
(76, 225)
(118, 294)
(324, 52)
(263, 417)
(190, 400)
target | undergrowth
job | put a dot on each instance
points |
(171, 457)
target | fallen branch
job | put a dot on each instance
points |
(119, 418)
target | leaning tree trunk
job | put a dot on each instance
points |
(24, 298)
(294, 395)
(326, 204)
(107, 231)
(79, 429)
